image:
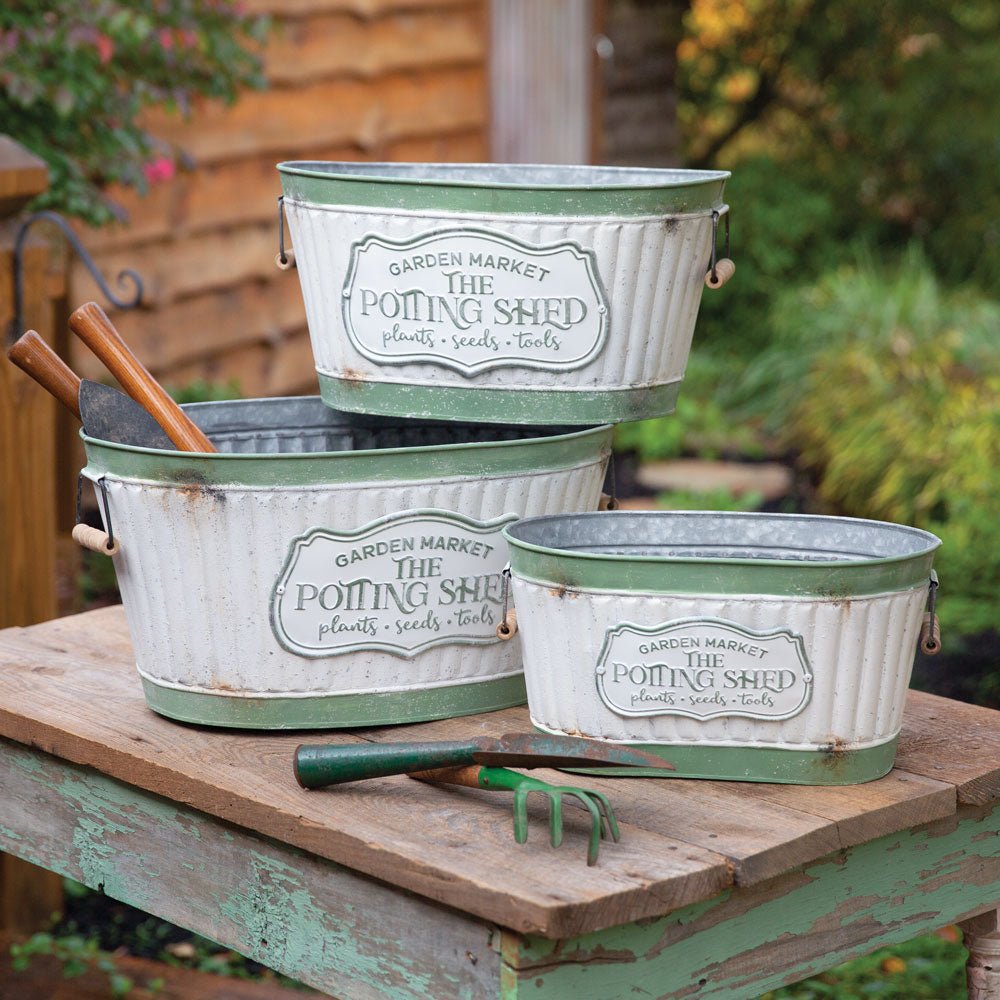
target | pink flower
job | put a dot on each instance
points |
(166, 37)
(160, 169)
(105, 48)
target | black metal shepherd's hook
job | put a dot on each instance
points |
(124, 276)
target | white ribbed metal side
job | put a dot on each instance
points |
(860, 651)
(197, 568)
(652, 270)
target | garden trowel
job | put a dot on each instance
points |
(105, 412)
(334, 764)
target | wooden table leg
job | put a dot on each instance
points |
(28, 896)
(982, 938)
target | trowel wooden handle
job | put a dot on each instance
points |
(35, 358)
(93, 327)
(467, 776)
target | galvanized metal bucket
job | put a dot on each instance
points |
(328, 569)
(762, 647)
(502, 293)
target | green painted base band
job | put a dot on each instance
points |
(769, 764)
(339, 711)
(499, 406)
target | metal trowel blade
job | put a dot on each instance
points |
(110, 415)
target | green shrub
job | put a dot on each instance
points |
(888, 387)
(75, 77)
(701, 424)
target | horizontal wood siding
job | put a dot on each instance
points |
(348, 80)
(640, 99)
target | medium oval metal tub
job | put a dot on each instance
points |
(761, 647)
(329, 569)
(502, 293)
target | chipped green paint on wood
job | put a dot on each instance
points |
(309, 918)
(745, 942)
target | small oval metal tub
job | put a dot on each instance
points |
(502, 292)
(328, 569)
(760, 647)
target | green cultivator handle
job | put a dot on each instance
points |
(334, 764)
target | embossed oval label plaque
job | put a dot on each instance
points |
(472, 299)
(401, 584)
(703, 668)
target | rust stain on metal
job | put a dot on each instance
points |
(834, 754)
(352, 375)
(191, 485)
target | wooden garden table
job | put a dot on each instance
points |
(394, 888)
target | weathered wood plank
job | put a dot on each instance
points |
(864, 812)
(365, 9)
(235, 193)
(28, 514)
(954, 742)
(309, 918)
(370, 114)
(467, 146)
(170, 270)
(205, 326)
(29, 897)
(22, 176)
(339, 44)
(751, 940)
(762, 829)
(282, 365)
(454, 848)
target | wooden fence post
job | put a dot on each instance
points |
(28, 895)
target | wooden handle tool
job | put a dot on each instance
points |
(92, 326)
(35, 358)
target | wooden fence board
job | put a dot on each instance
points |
(350, 111)
(326, 45)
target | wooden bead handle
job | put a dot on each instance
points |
(930, 635)
(35, 358)
(724, 270)
(93, 327)
(95, 540)
(507, 629)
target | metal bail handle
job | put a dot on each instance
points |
(930, 630)
(609, 501)
(720, 270)
(102, 542)
(507, 628)
(285, 259)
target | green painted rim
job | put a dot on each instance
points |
(646, 574)
(483, 458)
(451, 187)
(343, 711)
(499, 406)
(774, 765)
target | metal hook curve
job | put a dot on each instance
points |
(125, 276)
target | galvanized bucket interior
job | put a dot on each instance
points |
(304, 424)
(507, 175)
(723, 537)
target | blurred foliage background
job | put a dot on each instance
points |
(860, 337)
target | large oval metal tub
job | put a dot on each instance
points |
(501, 293)
(329, 569)
(762, 647)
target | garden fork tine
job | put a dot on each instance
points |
(603, 823)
